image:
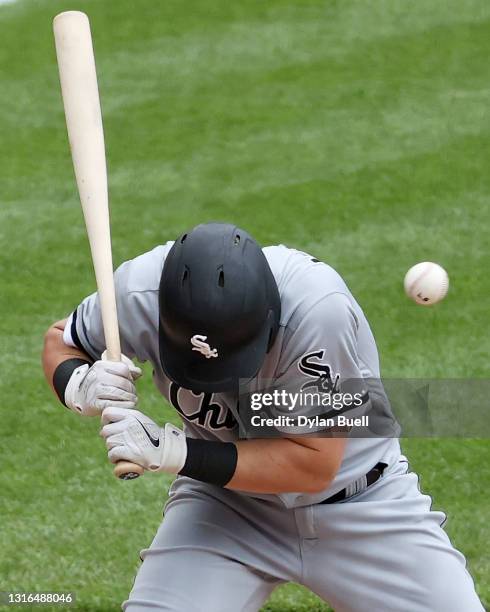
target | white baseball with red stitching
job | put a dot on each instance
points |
(426, 283)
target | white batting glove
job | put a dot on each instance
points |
(105, 383)
(132, 436)
(133, 369)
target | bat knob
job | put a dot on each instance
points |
(125, 470)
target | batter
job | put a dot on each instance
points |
(338, 512)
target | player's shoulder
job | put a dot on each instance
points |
(297, 269)
(309, 288)
(143, 273)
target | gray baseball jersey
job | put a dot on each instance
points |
(323, 332)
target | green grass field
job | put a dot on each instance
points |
(356, 130)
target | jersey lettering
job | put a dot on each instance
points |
(210, 414)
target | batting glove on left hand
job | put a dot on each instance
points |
(131, 436)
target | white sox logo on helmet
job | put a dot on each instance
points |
(199, 344)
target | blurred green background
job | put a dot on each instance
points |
(355, 130)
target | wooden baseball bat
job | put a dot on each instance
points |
(80, 93)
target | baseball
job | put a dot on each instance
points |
(426, 283)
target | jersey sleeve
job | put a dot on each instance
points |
(136, 284)
(320, 367)
(84, 327)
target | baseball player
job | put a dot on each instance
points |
(343, 515)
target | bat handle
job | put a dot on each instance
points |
(124, 470)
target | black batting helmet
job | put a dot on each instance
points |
(219, 308)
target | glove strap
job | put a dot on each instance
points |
(62, 375)
(174, 449)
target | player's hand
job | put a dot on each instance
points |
(131, 436)
(105, 383)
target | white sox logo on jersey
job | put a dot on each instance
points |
(311, 365)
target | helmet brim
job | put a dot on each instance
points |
(192, 370)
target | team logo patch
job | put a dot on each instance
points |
(311, 365)
(200, 345)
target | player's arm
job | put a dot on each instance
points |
(82, 384)
(262, 466)
(74, 361)
(55, 351)
(305, 465)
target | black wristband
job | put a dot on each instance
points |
(63, 373)
(213, 462)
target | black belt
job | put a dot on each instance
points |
(371, 477)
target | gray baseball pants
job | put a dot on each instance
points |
(383, 550)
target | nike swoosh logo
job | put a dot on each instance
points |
(156, 442)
